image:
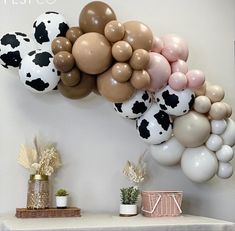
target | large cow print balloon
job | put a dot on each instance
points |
(13, 47)
(38, 73)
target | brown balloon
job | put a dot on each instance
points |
(61, 44)
(73, 34)
(71, 78)
(92, 52)
(94, 17)
(138, 35)
(122, 51)
(140, 79)
(140, 59)
(83, 89)
(121, 72)
(114, 31)
(64, 61)
(113, 90)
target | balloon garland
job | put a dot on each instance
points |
(181, 116)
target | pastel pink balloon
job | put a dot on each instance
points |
(159, 70)
(178, 81)
(175, 48)
(196, 79)
(157, 45)
(179, 66)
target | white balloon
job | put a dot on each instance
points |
(199, 164)
(225, 154)
(168, 153)
(214, 142)
(229, 134)
(134, 107)
(225, 170)
(218, 126)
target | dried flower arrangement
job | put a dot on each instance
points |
(40, 159)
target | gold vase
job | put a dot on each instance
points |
(38, 192)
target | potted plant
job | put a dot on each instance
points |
(61, 199)
(129, 198)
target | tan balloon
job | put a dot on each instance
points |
(140, 59)
(121, 72)
(229, 110)
(215, 93)
(64, 61)
(202, 90)
(140, 79)
(122, 51)
(114, 31)
(94, 17)
(192, 130)
(92, 53)
(218, 111)
(71, 78)
(202, 104)
(138, 35)
(61, 44)
(83, 89)
(112, 90)
(73, 34)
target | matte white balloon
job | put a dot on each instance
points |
(199, 164)
(168, 153)
(218, 126)
(225, 154)
(214, 143)
(229, 134)
(225, 170)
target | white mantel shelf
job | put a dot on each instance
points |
(106, 222)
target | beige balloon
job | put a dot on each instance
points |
(140, 59)
(218, 111)
(202, 104)
(229, 110)
(192, 130)
(201, 90)
(121, 72)
(114, 31)
(215, 93)
(122, 51)
(140, 79)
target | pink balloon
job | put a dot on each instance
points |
(175, 48)
(196, 79)
(159, 70)
(157, 45)
(178, 81)
(179, 66)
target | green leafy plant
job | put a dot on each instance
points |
(129, 196)
(61, 193)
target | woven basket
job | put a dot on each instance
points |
(161, 203)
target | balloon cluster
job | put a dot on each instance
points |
(147, 78)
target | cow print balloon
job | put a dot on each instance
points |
(155, 126)
(173, 102)
(38, 73)
(13, 47)
(47, 27)
(136, 106)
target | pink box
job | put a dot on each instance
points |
(161, 203)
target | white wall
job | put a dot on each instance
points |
(94, 142)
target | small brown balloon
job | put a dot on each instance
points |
(81, 90)
(114, 31)
(140, 79)
(218, 111)
(121, 72)
(113, 90)
(122, 51)
(61, 44)
(140, 59)
(64, 61)
(138, 35)
(94, 17)
(71, 78)
(73, 34)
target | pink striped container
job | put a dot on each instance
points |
(161, 203)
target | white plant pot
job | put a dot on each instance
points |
(61, 201)
(128, 210)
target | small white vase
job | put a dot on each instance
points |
(128, 210)
(61, 201)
